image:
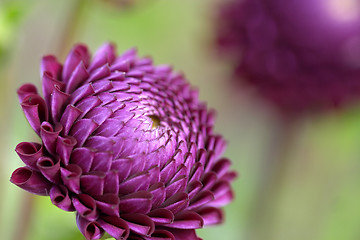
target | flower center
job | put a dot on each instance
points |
(155, 121)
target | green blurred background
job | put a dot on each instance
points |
(318, 196)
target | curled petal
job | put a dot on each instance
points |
(123, 167)
(221, 167)
(184, 234)
(70, 176)
(51, 65)
(49, 135)
(159, 194)
(209, 179)
(91, 230)
(178, 185)
(85, 207)
(105, 54)
(49, 83)
(59, 196)
(58, 100)
(35, 110)
(111, 184)
(177, 202)
(99, 73)
(31, 181)
(29, 152)
(108, 204)
(136, 183)
(161, 216)
(115, 226)
(193, 188)
(196, 172)
(78, 53)
(79, 75)
(161, 235)
(69, 116)
(201, 199)
(211, 215)
(26, 90)
(138, 202)
(83, 157)
(64, 147)
(186, 220)
(139, 223)
(49, 168)
(82, 130)
(93, 183)
(81, 92)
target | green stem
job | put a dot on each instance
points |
(273, 171)
(71, 28)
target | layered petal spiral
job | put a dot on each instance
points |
(126, 145)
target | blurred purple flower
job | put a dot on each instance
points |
(125, 144)
(302, 55)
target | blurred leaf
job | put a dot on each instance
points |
(11, 13)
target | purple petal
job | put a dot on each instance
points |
(196, 172)
(26, 90)
(98, 74)
(178, 185)
(57, 102)
(177, 202)
(208, 181)
(78, 54)
(64, 147)
(136, 183)
(161, 216)
(139, 223)
(83, 158)
(105, 54)
(111, 184)
(81, 92)
(102, 161)
(51, 65)
(35, 110)
(193, 188)
(31, 181)
(138, 202)
(161, 235)
(79, 75)
(71, 177)
(49, 83)
(91, 230)
(69, 116)
(159, 194)
(186, 220)
(211, 215)
(93, 184)
(82, 130)
(85, 207)
(59, 196)
(29, 153)
(108, 204)
(201, 199)
(122, 167)
(49, 135)
(182, 234)
(115, 226)
(49, 168)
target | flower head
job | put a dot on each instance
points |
(303, 56)
(126, 145)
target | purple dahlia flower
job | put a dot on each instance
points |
(302, 55)
(126, 145)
